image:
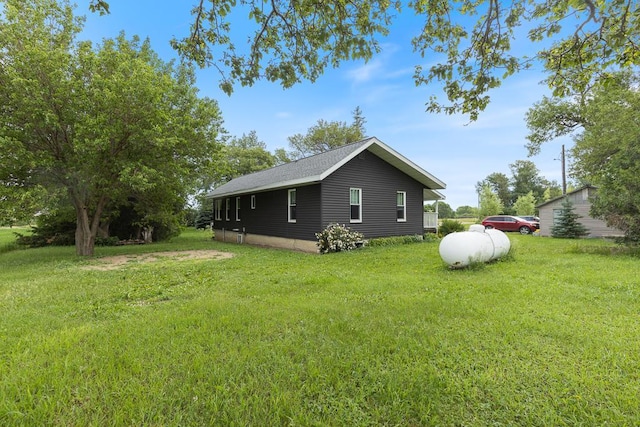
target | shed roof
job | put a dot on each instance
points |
(565, 195)
(315, 168)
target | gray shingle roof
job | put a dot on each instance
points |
(315, 168)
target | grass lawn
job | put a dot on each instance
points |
(7, 236)
(378, 336)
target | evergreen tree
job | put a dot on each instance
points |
(567, 225)
(204, 217)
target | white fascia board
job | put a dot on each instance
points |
(275, 186)
(344, 161)
(395, 159)
(428, 195)
(407, 166)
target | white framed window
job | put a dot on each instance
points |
(355, 204)
(253, 201)
(401, 206)
(217, 207)
(292, 206)
(237, 208)
(227, 209)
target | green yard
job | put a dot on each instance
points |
(379, 336)
(7, 237)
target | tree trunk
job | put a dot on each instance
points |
(86, 227)
(147, 232)
(85, 241)
(103, 229)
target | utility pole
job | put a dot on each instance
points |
(564, 176)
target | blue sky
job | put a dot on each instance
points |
(457, 151)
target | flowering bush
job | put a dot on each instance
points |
(336, 238)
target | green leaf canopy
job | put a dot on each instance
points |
(102, 122)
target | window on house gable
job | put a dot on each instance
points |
(218, 210)
(227, 209)
(355, 195)
(253, 201)
(401, 206)
(237, 208)
(292, 206)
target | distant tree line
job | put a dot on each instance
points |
(446, 211)
(515, 195)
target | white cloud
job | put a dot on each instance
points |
(365, 72)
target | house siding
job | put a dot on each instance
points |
(582, 205)
(270, 217)
(379, 182)
(323, 197)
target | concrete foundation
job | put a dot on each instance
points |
(234, 236)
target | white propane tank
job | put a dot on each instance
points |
(501, 243)
(477, 227)
(466, 247)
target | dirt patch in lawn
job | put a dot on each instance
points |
(119, 261)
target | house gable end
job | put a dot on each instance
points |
(379, 183)
(396, 160)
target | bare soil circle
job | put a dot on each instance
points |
(120, 261)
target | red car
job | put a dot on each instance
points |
(510, 223)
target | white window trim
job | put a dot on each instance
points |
(404, 206)
(289, 205)
(227, 210)
(218, 210)
(253, 201)
(237, 208)
(357, 220)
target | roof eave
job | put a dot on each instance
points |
(555, 199)
(258, 189)
(395, 159)
(428, 194)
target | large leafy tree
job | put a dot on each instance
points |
(19, 205)
(606, 130)
(526, 178)
(104, 123)
(325, 136)
(607, 154)
(525, 205)
(241, 156)
(490, 203)
(500, 185)
(551, 193)
(472, 45)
